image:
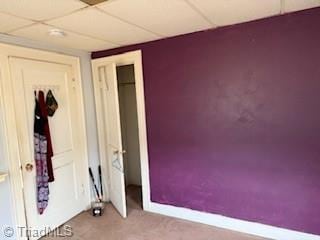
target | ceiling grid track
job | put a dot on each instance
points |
(82, 34)
(66, 14)
(282, 6)
(13, 15)
(127, 22)
(22, 27)
(213, 25)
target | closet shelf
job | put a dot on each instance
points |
(3, 176)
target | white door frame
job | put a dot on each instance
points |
(134, 58)
(9, 124)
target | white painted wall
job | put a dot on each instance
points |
(129, 124)
(6, 214)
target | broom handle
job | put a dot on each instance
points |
(100, 178)
(95, 187)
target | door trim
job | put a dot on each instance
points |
(9, 124)
(134, 58)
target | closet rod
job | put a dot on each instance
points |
(130, 83)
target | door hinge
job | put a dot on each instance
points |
(103, 74)
(83, 191)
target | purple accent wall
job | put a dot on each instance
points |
(233, 118)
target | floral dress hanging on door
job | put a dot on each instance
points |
(40, 157)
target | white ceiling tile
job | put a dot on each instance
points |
(95, 23)
(9, 23)
(227, 12)
(40, 32)
(124, 22)
(296, 5)
(165, 17)
(40, 9)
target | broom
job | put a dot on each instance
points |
(94, 184)
(100, 179)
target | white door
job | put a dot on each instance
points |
(110, 133)
(67, 193)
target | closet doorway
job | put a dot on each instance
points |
(129, 134)
(119, 95)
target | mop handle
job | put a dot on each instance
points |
(100, 178)
(95, 187)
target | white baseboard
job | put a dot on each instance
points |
(257, 229)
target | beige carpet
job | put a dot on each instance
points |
(141, 225)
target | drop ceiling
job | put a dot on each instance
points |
(116, 23)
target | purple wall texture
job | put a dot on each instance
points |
(233, 120)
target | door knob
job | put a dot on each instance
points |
(119, 152)
(29, 167)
